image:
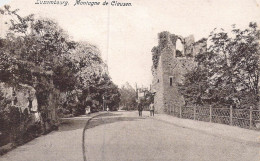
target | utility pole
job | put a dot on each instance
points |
(136, 91)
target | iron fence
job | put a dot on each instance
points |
(244, 118)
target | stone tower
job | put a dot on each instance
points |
(170, 70)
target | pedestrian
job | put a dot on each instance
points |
(151, 108)
(87, 109)
(140, 109)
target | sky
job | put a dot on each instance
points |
(3, 2)
(126, 35)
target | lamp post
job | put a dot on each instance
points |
(104, 102)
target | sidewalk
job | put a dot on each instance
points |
(219, 130)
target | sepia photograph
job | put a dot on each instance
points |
(129, 80)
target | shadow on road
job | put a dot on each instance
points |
(70, 124)
(108, 118)
(105, 118)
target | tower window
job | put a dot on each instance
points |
(170, 81)
(158, 81)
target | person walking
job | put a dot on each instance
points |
(140, 109)
(151, 108)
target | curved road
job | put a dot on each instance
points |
(122, 136)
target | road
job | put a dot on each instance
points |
(122, 136)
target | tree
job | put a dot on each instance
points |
(229, 69)
(128, 97)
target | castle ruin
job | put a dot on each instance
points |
(170, 66)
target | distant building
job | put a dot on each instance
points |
(141, 92)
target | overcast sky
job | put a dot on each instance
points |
(126, 35)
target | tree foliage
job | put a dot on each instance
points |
(128, 97)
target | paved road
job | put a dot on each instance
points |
(122, 136)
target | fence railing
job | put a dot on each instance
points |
(244, 118)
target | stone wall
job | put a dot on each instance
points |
(20, 96)
(23, 97)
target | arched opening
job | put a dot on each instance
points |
(179, 48)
